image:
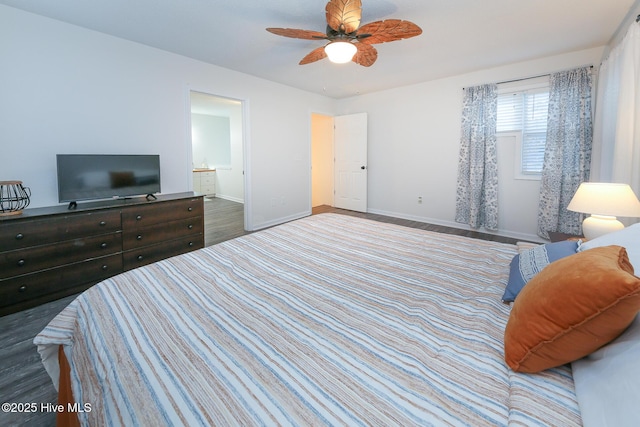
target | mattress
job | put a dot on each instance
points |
(327, 320)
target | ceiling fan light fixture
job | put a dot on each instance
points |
(348, 40)
(340, 52)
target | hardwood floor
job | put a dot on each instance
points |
(416, 224)
(22, 376)
(223, 220)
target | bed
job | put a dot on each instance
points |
(327, 320)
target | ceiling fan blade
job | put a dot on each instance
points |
(344, 15)
(315, 55)
(298, 34)
(387, 31)
(366, 55)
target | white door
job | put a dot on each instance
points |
(350, 150)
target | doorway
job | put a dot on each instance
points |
(217, 136)
(217, 142)
(339, 161)
(321, 160)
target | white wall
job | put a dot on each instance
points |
(230, 179)
(210, 140)
(70, 90)
(414, 135)
(66, 89)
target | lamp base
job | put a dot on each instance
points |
(11, 213)
(597, 225)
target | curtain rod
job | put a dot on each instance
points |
(529, 78)
(524, 78)
(532, 77)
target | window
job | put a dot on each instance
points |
(524, 112)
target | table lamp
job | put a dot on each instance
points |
(604, 201)
(14, 197)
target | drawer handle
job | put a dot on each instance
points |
(139, 237)
(190, 244)
(190, 226)
(140, 258)
(22, 288)
(190, 209)
(105, 267)
(102, 224)
(19, 236)
(21, 263)
(138, 217)
(103, 245)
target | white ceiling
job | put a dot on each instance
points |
(459, 36)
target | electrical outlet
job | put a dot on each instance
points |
(419, 200)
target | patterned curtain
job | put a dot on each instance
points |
(567, 157)
(477, 195)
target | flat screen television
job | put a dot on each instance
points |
(102, 176)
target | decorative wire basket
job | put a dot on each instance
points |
(13, 197)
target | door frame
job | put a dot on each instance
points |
(246, 145)
(333, 152)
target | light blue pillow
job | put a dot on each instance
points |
(628, 238)
(530, 262)
(608, 382)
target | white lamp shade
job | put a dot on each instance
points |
(603, 198)
(604, 201)
(340, 52)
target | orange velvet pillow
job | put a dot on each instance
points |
(571, 308)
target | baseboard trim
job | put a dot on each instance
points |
(435, 221)
(230, 198)
(282, 220)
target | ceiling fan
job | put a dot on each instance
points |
(347, 40)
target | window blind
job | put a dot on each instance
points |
(526, 112)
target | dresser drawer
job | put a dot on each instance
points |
(208, 178)
(158, 212)
(148, 254)
(28, 260)
(159, 233)
(56, 280)
(208, 182)
(208, 189)
(21, 234)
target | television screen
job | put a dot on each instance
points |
(101, 176)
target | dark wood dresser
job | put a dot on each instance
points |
(49, 253)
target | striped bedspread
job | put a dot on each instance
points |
(328, 320)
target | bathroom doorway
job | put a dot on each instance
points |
(217, 145)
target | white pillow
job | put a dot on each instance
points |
(608, 382)
(628, 238)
